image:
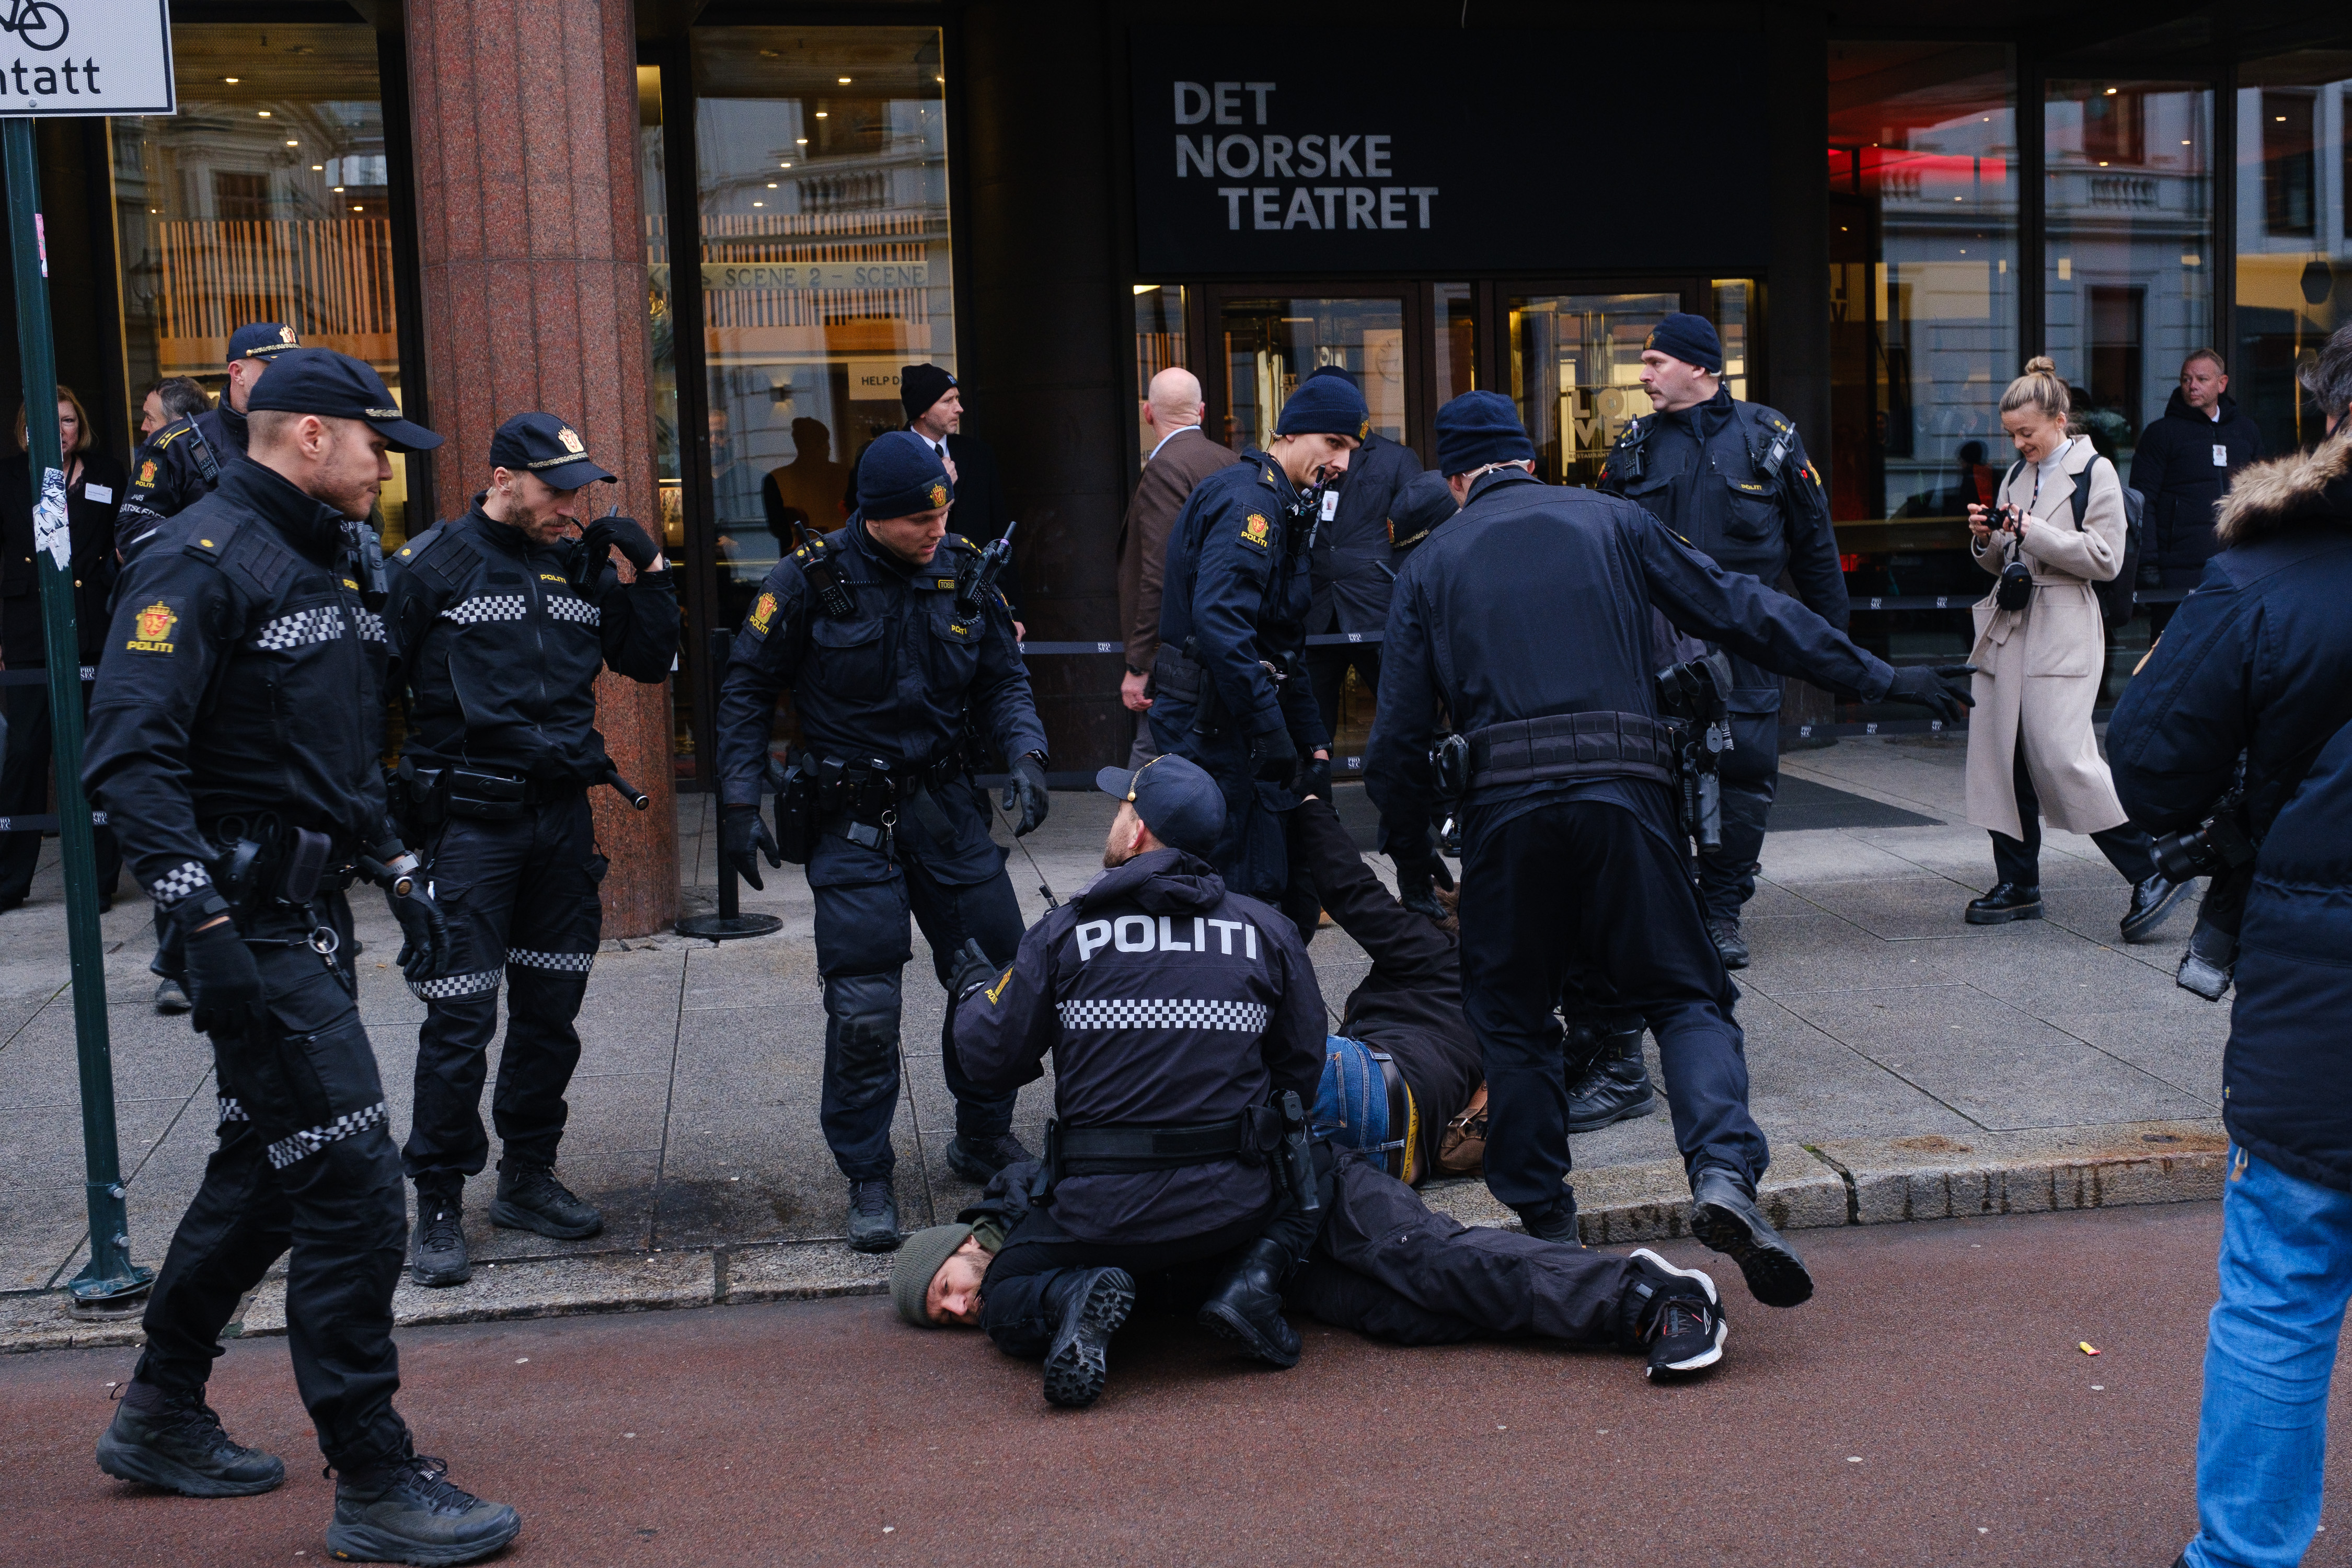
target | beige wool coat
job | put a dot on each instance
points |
(2039, 668)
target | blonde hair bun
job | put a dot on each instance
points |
(2040, 387)
(2039, 365)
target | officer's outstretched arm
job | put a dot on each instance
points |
(1812, 542)
(1004, 1028)
(1397, 771)
(765, 660)
(1228, 590)
(1759, 623)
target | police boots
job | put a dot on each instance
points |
(405, 1510)
(1616, 1087)
(440, 1257)
(873, 1216)
(531, 1198)
(1246, 1307)
(1088, 1306)
(1724, 1216)
(175, 1442)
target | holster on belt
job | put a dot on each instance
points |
(861, 799)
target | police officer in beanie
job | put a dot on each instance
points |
(1731, 480)
(885, 633)
(934, 405)
(1231, 693)
(1177, 1014)
(1351, 563)
(234, 741)
(1527, 620)
(184, 460)
(500, 623)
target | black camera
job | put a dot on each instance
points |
(2222, 848)
(2214, 847)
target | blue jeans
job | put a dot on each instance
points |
(2269, 1354)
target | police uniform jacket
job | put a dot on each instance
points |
(238, 679)
(497, 643)
(1164, 1001)
(180, 464)
(1237, 587)
(1351, 563)
(90, 505)
(1535, 601)
(1710, 475)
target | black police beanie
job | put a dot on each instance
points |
(1325, 405)
(1689, 337)
(901, 476)
(1423, 503)
(1478, 428)
(920, 386)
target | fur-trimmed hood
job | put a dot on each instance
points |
(2269, 498)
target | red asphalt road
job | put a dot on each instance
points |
(1928, 1406)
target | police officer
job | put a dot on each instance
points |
(1527, 620)
(1731, 478)
(1351, 564)
(501, 625)
(1177, 1014)
(233, 740)
(184, 460)
(885, 634)
(1229, 687)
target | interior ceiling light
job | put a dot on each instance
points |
(230, 79)
(771, 185)
(802, 141)
(2111, 92)
(759, 204)
(787, 166)
(357, 209)
(293, 144)
(318, 168)
(264, 114)
(841, 80)
(820, 114)
(339, 190)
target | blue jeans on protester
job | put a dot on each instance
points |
(2269, 1354)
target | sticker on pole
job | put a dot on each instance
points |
(51, 531)
(86, 57)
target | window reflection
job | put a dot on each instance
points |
(1576, 374)
(1271, 345)
(2295, 233)
(1158, 344)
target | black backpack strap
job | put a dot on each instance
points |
(2082, 496)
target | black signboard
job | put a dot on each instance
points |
(1405, 151)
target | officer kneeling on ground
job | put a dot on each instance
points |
(501, 625)
(1187, 1035)
(1527, 620)
(233, 740)
(885, 633)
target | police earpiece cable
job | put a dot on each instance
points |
(1043, 886)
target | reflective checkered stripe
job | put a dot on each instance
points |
(486, 607)
(1163, 1013)
(297, 1146)
(188, 877)
(563, 607)
(323, 622)
(371, 626)
(231, 1111)
(451, 986)
(564, 963)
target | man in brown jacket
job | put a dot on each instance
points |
(1183, 458)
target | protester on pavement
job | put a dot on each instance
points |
(2040, 655)
(1185, 457)
(2183, 467)
(2258, 667)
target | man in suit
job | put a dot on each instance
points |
(1183, 458)
(934, 405)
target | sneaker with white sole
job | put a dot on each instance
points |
(1680, 1317)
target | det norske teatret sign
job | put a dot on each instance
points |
(65, 58)
(1425, 152)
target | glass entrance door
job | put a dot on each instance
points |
(1268, 345)
(1575, 372)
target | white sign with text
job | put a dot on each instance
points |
(65, 58)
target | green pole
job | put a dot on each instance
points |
(110, 1279)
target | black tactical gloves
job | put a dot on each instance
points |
(972, 970)
(1942, 689)
(223, 983)
(1312, 776)
(1419, 869)
(743, 829)
(424, 931)
(624, 531)
(1026, 787)
(1274, 756)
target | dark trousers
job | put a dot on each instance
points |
(1387, 1265)
(306, 1164)
(522, 905)
(1751, 773)
(2018, 861)
(25, 792)
(863, 946)
(1587, 886)
(1327, 671)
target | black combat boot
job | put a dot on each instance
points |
(171, 997)
(1727, 942)
(1676, 1316)
(1724, 1216)
(1246, 1307)
(1091, 1304)
(175, 1442)
(874, 1216)
(2151, 902)
(976, 1160)
(406, 1511)
(531, 1198)
(1554, 1222)
(440, 1235)
(2008, 901)
(1616, 1087)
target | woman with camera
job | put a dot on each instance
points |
(2041, 650)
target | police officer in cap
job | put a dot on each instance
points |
(1178, 1012)
(1230, 691)
(1731, 478)
(1351, 566)
(1527, 619)
(184, 460)
(886, 633)
(500, 623)
(234, 741)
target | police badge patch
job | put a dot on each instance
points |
(1254, 532)
(147, 474)
(152, 629)
(570, 439)
(762, 613)
(939, 495)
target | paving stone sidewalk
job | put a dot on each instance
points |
(1904, 1065)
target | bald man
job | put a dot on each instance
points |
(1183, 459)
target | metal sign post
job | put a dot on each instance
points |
(110, 1279)
(731, 923)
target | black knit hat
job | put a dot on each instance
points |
(920, 386)
(1325, 405)
(899, 476)
(1689, 337)
(1478, 428)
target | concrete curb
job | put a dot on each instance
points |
(1837, 1181)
